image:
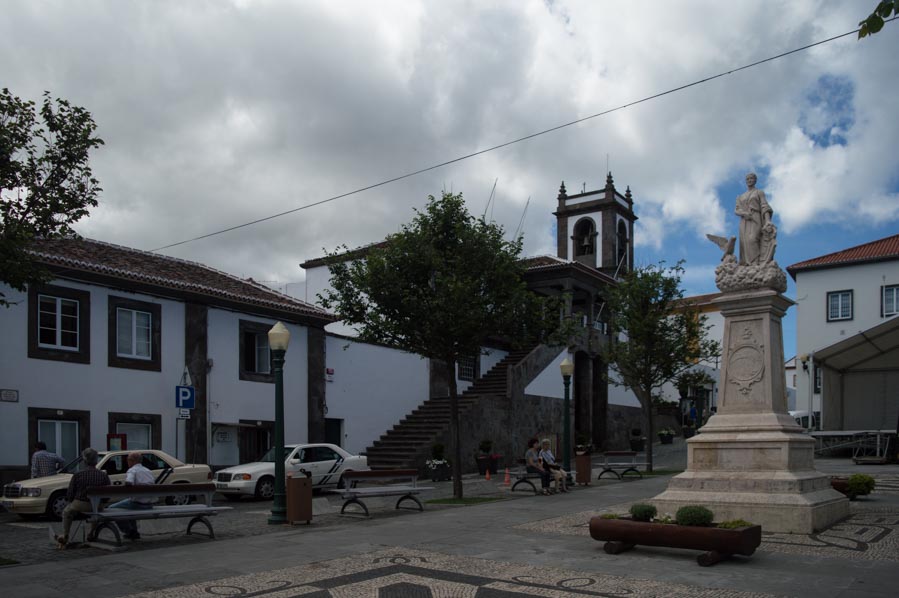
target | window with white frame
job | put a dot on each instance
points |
(839, 306)
(138, 436)
(133, 333)
(468, 368)
(255, 356)
(58, 323)
(61, 437)
(890, 300)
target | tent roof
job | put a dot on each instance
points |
(865, 350)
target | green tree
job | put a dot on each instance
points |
(440, 288)
(665, 335)
(875, 20)
(46, 184)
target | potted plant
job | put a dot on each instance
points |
(638, 441)
(854, 486)
(437, 465)
(692, 528)
(487, 460)
(666, 435)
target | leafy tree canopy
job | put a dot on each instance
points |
(875, 20)
(46, 184)
(665, 336)
(441, 287)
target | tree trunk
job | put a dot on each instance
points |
(454, 430)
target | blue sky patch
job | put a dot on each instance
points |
(828, 112)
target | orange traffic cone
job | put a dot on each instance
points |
(488, 475)
(508, 480)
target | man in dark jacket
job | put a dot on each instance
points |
(88, 477)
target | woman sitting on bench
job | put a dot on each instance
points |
(536, 465)
(549, 461)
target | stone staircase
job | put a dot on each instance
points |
(408, 444)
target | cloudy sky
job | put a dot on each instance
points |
(217, 113)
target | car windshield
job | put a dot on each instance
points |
(76, 465)
(269, 457)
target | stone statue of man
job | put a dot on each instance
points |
(758, 236)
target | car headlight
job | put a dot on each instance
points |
(32, 492)
(242, 476)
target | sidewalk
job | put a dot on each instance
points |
(533, 546)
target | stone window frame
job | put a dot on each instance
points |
(850, 294)
(154, 364)
(251, 326)
(77, 415)
(35, 351)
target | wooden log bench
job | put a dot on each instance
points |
(524, 477)
(621, 461)
(107, 518)
(383, 482)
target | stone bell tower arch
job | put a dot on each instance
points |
(596, 228)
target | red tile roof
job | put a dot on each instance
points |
(165, 273)
(875, 251)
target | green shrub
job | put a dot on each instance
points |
(735, 524)
(859, 484)
(694, 515)
(437, 452)
(643, 512)
(609, 516)
(485, 446)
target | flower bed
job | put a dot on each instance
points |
(720, 543)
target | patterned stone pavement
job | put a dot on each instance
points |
(403, 572)
(871, 532)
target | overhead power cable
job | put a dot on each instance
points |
(512, 142)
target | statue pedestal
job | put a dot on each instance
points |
(751, 460)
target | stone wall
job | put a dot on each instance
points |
(623, 419)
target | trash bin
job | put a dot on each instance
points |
(299, 498)
(584, 467)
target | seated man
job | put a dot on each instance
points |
(137, 475)
(88, 477)
(535, 465)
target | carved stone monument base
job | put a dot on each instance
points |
(751, 460)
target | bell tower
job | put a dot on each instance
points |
(596, 228)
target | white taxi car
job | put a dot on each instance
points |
(325, 462)
(47, 495)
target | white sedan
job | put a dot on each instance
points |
(325, 462)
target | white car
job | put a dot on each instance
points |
(325, 462)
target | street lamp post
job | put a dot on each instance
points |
(567, 368)
(278, 339)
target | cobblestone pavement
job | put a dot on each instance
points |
(404, 572)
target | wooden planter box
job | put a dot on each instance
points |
(441, 473)
(623, 534)
(666, 438)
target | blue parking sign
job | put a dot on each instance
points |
(185, 397)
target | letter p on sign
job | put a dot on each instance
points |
(184, 397)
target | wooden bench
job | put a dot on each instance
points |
(623, 461)
(198, 512)
(385, 482)
(523, 476)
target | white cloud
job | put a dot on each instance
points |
(215, 114)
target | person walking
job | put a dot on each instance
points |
(43, 462)
(88, 477)
(137, 475)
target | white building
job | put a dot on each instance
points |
(847, 336)
(100, 349)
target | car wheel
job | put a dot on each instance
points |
(179, 500)
(232, 497)
(56, 505)
(265, 488)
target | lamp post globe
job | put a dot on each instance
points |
(567, 369)
(278, 340)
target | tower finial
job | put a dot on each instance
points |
(627, 195)
(562, 192)
(609, 182)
